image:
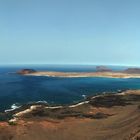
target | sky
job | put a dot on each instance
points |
(70, 32)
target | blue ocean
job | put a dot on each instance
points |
(18, 89)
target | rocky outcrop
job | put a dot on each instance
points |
(25, 71)
(110, 116)
(132, 70)
(103, 69)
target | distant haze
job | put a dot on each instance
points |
(70, 32)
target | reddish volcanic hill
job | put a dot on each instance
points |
(26, 71)
(103, 69)
(133, 70)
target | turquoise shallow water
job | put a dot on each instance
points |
(23, 89)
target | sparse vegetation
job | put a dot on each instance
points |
(109, 101)
(138, 138)
(12, 123)
(138, 106)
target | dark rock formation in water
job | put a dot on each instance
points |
(103, 69)
(26, 71)
(132, 70)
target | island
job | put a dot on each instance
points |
(26, 71)
(100, 72)
(108, 116)
(103, 69)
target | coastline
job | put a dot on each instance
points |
(33, 106)
(101, 114)
(84, 74)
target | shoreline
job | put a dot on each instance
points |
(83, 74)
(28, 108)
(101, 114)
(71, 105)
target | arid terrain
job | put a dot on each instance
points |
(85, 74)
(101, 71)
(104, 117)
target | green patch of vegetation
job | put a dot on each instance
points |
(12, 123)
(97, 116)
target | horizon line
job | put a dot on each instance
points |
(69, 64)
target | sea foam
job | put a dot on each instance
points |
(45, 102)
(13, 107)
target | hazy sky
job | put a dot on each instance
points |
(70, 31)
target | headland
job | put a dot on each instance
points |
(113, 116)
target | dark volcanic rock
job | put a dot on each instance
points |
(110, 101)
(103, 69)
(26, 71)
(132, 70)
